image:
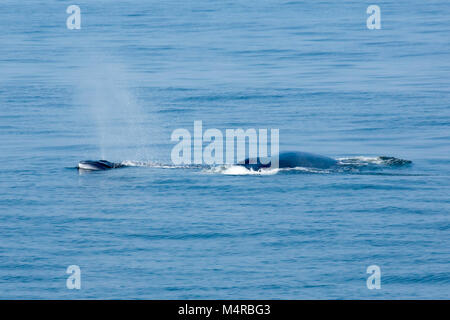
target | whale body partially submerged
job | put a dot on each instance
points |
(93, 165)
(285, 160)
(291, 159)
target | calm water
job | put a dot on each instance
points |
(136, 71)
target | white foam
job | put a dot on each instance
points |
(360, 160)
(241, 170)
(151, 164)
(131, 163)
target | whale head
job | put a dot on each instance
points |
(93, 165)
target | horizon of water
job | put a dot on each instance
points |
(117, 88)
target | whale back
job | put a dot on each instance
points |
(292, 159)
(305, 159)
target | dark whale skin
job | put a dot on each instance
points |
(292, 159)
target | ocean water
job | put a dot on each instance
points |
(135, 71)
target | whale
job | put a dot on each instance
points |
(95, 165)
(291, 159)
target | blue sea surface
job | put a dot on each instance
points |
(137, 70)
